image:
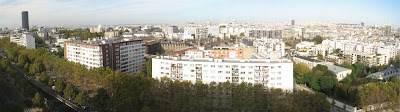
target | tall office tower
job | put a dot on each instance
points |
(388, 30)
(362, 23)
(25, 20)
(292, 22)
(1, 29)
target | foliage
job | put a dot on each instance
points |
(100, 100)
(317, 40)
(11, 107)
(320, 57)
(82, 98)
(22, 60)
(59, 85)
(43, 77)
(242, 34)
(379, 92)
(84, 34)
(70, 91)
(149, 70)
(299, 70)
(38, 100)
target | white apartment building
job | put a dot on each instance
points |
(119, 54)
(26, 40)
(270, 73)
(271, 48)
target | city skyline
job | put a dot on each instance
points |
(78, 13)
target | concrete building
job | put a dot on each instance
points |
(276, 34)
(111, 34)
(388, 30)
(310, 61)
(340, 72)
(270, 48)
(25, 20)
(168, 46)
(386, 74)
(26, 40)
(119, 54)
(292, 22)
(269, 73)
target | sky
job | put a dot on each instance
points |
(116, 12)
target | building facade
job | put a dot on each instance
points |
(25, 20)
(270, 73)
(118, 54)
(26, 40)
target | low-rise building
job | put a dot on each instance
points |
(340, 72)
(310, 61)
(386, 74)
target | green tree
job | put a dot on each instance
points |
(12, 55)
(51, 82)
(82, 98)
(70, 91)
(242, 34)
(99, 101)
(59, 86)
(149, 68)
(22, 60)
(26, 67)
(38, 67)
(299, 71)
(38, 100)
(320, 57)
(43, 77)
(11, 107)
(327, 84)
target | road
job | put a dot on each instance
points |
(62, 104)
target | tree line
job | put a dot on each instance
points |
(107, 90)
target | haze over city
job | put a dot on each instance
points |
(94, 12)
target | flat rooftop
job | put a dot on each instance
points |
(309, 58)
(337, 69)
(225, 60)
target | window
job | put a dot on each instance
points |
(191, 75)
(205, 65)
(185, 65)
(219, 71)
(219, 66)
(191, 70)
(213, 66)
(272, 78)
(242, 67)
(278, 84)
(205, 76)
(249, 78)
(250, 66)
(227, 66)
(242, 78)
(228, 77)
(162, 67)
(278, 78)
(212, 77)
(242, 72)
(250, 72)
(191, 65)
(162, 72)
(228, 72)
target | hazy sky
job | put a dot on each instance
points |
(94, 12)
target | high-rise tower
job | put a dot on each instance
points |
(25, 20)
